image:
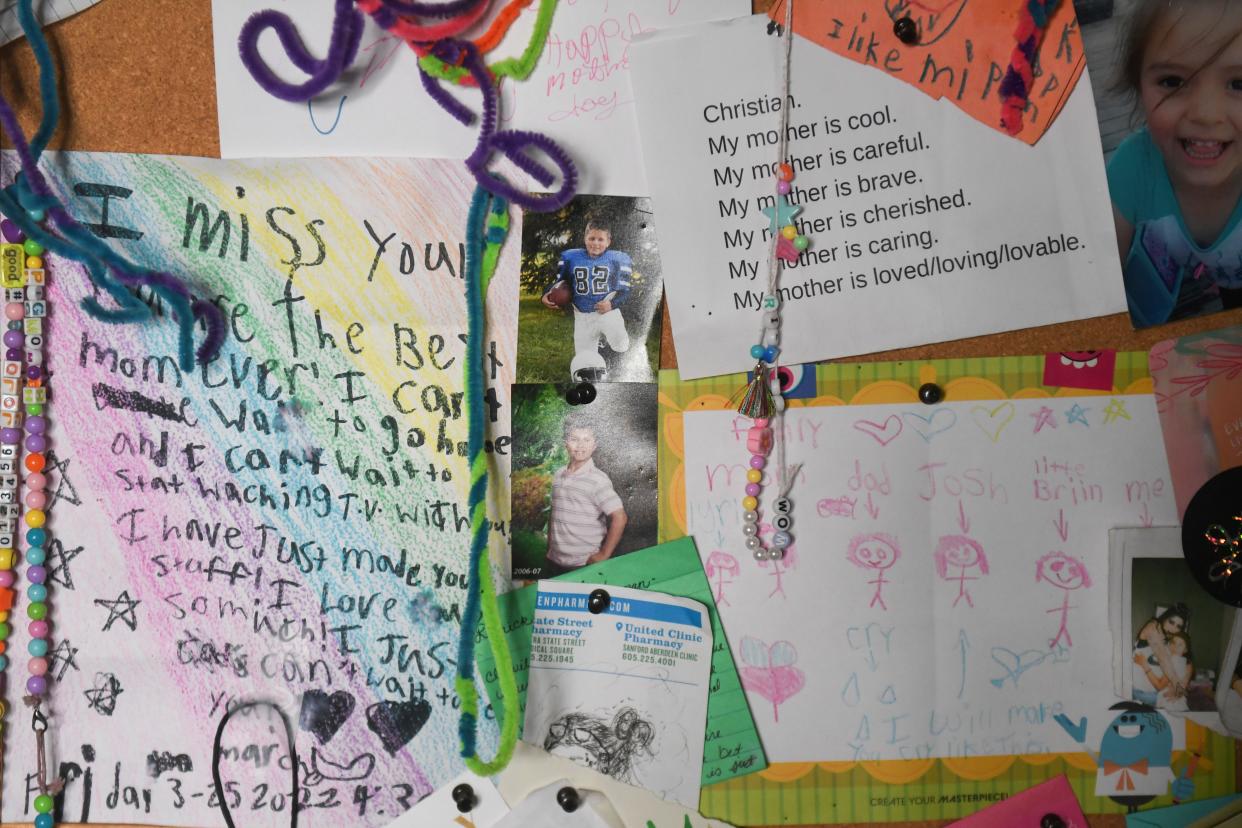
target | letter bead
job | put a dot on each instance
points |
(783, 505)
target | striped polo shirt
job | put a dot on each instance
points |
(581, 503)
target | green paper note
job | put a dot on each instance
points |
(731, 747)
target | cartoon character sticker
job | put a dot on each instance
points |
(1134, 763)
(876, 552)
(957, 556)
(1066, 573)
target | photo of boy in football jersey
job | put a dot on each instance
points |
(590, 292)
(598, 280)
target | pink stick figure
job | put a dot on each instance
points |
(963, 554)
(780, 565)
(1066, 573)
(877, 552)
(719, 566)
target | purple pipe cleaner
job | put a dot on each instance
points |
(347, 25)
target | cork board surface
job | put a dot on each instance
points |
(138, 76)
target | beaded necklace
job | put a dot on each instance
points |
(763, 400)
(23, 396)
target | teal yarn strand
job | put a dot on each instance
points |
(486, 230)
(47, 78)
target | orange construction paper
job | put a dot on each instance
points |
(963, 50)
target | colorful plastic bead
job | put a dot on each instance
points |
(801, 242)
(32, 247)
(753, 489)
(758, 441)
(13, 436)
(34, 372)
(781, 539)
(771, 353)
(750, 503)
(34, 409)
(6, 558)
(36, 612)
(34, 263)
(36, 442)
(37, 480)
(754, 476)
(38, 629)
(753, 544)
(14, 339)
(37, 647)
(37, 686)
(784, 172)
(36, 574)
(36, 537)
(37, 666)
(758, 461)
(756, 352)
(789, 231)
(783, 187)
(37, 592)
(44, 821)
(750, 516)
(11, 232)
(5, 631)
(35, 518)
(6, 578)
(36, 500)
(35, 556)
(750, 529)
(14, 310)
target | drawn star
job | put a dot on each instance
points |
(121, 609)
(58, 469)
(58, 558)
(1115, 410)
(63, 656)
(1077, 414)
(102, 697)
(1044, 417)
(781, 213)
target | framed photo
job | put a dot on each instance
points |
(584, 476)
(590, 292)
(1176, 645)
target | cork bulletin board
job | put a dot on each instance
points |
(138, 77)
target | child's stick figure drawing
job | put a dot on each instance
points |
(956, 557)
(877, 552)
(721, 565)
(1066, 573)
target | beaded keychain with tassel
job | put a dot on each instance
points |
(762, 399)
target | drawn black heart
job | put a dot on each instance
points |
(323, 714)
(396, 723)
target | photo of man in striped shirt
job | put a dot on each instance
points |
(587, 517)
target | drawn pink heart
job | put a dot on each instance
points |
(776, 684)
(883, 434)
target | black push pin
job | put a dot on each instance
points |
(930, 393)
(598, 601)
(586, 393)
(573, 397)
(1051, 821)
(906, 30)
(463, 796)
(567, 798)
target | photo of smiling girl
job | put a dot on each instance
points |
(1176, 182)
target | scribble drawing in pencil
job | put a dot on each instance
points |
(957, 557)
(722, 568)
(876, 552)
(610, 747)
(1066, 573)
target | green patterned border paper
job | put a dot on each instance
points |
(847, 792)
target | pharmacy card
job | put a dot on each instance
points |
(622, 690)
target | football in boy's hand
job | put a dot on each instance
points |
(559, 295)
